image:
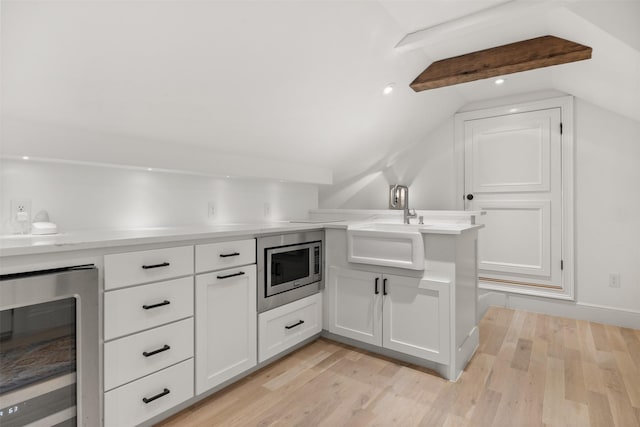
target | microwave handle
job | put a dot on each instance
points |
(276, 268)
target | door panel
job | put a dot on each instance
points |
(513, 169)
(510, 153)
(508, 223)
(226, 325)
(355, 307)
(416, 317)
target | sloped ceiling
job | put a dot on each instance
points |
(287, 82)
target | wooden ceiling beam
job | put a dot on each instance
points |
(497, 61)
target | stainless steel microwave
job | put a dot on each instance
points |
(289, 268)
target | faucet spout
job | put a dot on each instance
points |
(408, 214)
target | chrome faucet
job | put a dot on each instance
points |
(408, 214)
(399, 199)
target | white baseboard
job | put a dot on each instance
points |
(574, 310)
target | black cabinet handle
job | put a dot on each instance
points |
(160, 304)
(300, 322)
(228, 255)
(157, 396)
(160, 350)
(376, 290)
(162, 264)
(469, 196)
(384, 286)
(231, 275)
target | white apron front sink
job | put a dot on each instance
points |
(391, 245)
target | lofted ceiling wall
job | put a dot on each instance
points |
(279, 82)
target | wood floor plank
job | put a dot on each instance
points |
(529, 370)
(553, 405)
(630, 376)
(633, 344)
(484, 412)
(599, 410)
(522, 355)
(615, 338)
(479, 370)
(574, 385)
(600, 338)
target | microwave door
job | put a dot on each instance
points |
(288, 269)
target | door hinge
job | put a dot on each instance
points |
(561, 264)
(560, 128)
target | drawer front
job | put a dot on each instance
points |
(216, 256)
(288, 325)
(134, 309)
(124, 406)
(142, 354)
(133, 268)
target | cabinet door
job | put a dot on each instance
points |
(416, 317)
(355, 308)
(226, 325)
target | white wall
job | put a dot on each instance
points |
(82, 196)
(427, 167)
(607, 209)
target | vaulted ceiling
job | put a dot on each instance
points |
(297, 82)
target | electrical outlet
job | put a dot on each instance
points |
(267, 210)
(614, 280)
(211, 210)
(21, 210)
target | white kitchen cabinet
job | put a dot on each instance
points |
(405, 314)
(355, 308)
(148, 331)
(226, 325)
(426, 317)
(415, 317)
(285, 326)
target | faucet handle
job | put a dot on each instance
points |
(421, 220)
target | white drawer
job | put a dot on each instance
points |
(142, 354)
(133, 268)
(124, 406)
(288, 325)
(216, 256)
(125, 312)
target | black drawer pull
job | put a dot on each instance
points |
(157, 396)
(160, 350)
(376, 290)
(160, 304)
(162, 264)
(231, 275)
(384, 286)
(300, 322)
(228, 255)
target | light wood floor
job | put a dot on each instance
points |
(530, 370)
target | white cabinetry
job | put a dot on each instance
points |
(226, 322)
(427, 317)
(148, 350)
(400, 313)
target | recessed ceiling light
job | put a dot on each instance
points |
(499, 81)
(25, 157)
(227, 176)
(149, 169)
(513, 110)
(388, 88)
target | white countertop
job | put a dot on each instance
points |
(16, 245)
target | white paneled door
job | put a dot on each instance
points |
(513, 171)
